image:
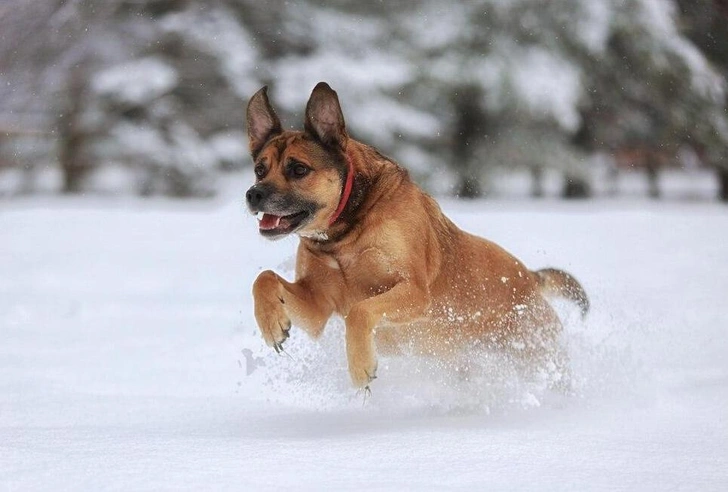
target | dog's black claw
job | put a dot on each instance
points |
(366, 391)
(278, 347)
(367, 394)
(285, 329)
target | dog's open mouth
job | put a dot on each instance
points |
(276, 225)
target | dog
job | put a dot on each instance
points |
(378, 251)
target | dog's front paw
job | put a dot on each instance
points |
(270, 314)
(362, 369)
(360, 350)
(275, 327)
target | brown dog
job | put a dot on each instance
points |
(378, 251)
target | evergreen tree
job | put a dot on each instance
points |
(705, 22)
(452, 90)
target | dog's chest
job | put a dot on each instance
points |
(367, 272)
(331, 262)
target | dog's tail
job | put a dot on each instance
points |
(558, 283)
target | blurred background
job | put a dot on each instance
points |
(520, 98)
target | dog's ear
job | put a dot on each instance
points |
(324, 118)
(263, 123)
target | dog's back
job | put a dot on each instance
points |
(480, 293)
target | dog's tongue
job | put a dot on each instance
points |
(268, 222)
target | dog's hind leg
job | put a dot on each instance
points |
(552, 358)
(536, 343)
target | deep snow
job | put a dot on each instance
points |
(130, 360)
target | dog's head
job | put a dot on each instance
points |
(299, 175)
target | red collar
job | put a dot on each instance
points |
(346, 192)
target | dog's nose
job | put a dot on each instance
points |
(255, 195)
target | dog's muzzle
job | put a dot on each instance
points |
(257, 195)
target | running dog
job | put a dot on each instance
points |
(378, 251)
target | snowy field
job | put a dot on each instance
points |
(130, 360)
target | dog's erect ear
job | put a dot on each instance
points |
(263, 123)
(324, 118)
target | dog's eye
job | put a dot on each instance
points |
(259, 171)
(299, 170)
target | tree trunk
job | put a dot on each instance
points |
(575, 188)
(722, 184)
(74, 171)
(468, 187)
(537, 182)
(652, 169)
(469, 131)
(72, 137)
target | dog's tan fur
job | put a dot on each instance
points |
(400, 273)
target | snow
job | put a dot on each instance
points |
(529, 78)
(360, 83)
(130, 359)
(215, 31)
(594, 28)
(547, 84)
(137, 82)
(659, 19)
(436, 25)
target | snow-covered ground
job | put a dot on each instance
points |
(129, 360)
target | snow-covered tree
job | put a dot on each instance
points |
(348, 45)
(705, 22)
(152, 87)
(49, 51)
(452, 89)
(497, 77)
(648, 86)
(538, 83)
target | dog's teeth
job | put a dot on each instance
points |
(259, 215)
(278, 221)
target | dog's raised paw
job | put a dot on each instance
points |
(274, 325)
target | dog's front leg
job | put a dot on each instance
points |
(402, 303)
(279, 303)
